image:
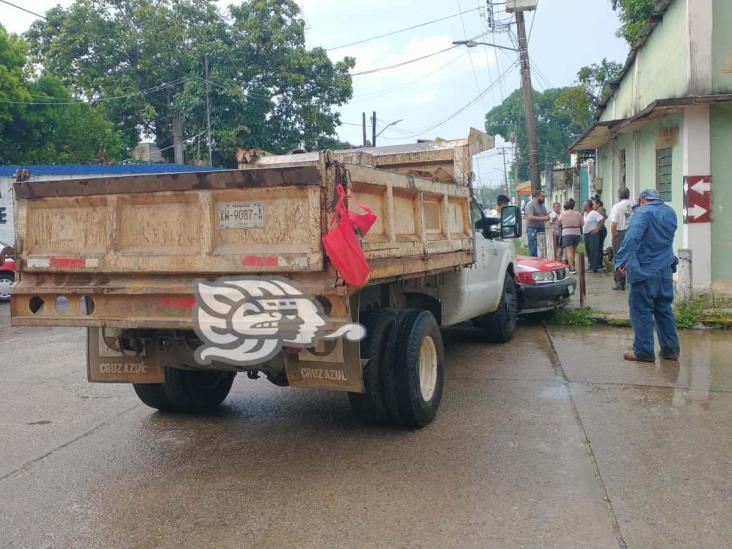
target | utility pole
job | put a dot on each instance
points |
(528, 101)
(505, 171)
(363, 123)
(516, 160)
(373, 130)
(208, 113)
(177, 139)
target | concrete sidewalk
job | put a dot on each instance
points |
(601, 298)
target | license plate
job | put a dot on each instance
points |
(571, 290)
(241, 215)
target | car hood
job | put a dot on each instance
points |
(539, 264)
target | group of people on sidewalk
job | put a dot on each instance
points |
(642, 241)
(569, 228)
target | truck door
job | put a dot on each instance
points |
(485, 277)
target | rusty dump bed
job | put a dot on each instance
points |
(135, 244)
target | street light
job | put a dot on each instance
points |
(389, 126)
(473, 43)
(519, 6)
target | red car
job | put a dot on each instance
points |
(7, 277)
(545, 284)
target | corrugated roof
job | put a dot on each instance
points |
(99, 169)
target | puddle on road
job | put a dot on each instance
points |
(703, 369)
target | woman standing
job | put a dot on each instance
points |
(570, 223)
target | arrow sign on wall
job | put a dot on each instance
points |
(694, 212)
(702, 187)
(698, 199)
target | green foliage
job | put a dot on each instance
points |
(634, 15)
(582, 317)
(520, 247)
(267, 90)
(487, 196)
(561, 114)
(701, 311)
(596, 78)
(46, 133)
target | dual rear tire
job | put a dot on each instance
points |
(186, 391)
(404, 376)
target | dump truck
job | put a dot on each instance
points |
(176, 275)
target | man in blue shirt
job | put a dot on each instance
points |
(647, 258)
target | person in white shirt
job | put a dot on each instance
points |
(591, 231)
(619, 218)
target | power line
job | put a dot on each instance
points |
(98, 99)
(392, 33)
(470, 54)
(533, 18)
(410, 61)
(24, 9)
(403, 63)
(462, 109)
(390, 89)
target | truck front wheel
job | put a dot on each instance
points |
(186, 391)
(500, 325)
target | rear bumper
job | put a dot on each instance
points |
(128, 302)
(545, 297)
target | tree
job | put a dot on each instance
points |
(634, 15)
(146, 58)
(596, 78)
(40, 123)
(561, 115)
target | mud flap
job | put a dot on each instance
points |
(334, 365)
(107, 364)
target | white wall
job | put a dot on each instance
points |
(7, 228)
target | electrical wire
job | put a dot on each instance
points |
(24, 9)
(154, 89)
(531, 28)
(435, 125)
(410, 61)
(403, 63)
(392, 33)
(390, 89)
(470, 53)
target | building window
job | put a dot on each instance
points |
(664, 161)
(621, 166)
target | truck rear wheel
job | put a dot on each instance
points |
(418, 368)
(500, 325)
(369, 406)
(186, 391)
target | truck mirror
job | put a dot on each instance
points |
(511, 226)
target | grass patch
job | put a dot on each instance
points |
(690, 313)
(573, 317)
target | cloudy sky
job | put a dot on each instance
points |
(442, 95)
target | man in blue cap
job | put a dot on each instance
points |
(647, 259)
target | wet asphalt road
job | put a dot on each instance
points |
(550, 441)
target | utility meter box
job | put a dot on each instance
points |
(520, 5)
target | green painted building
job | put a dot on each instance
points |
(668, 125)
